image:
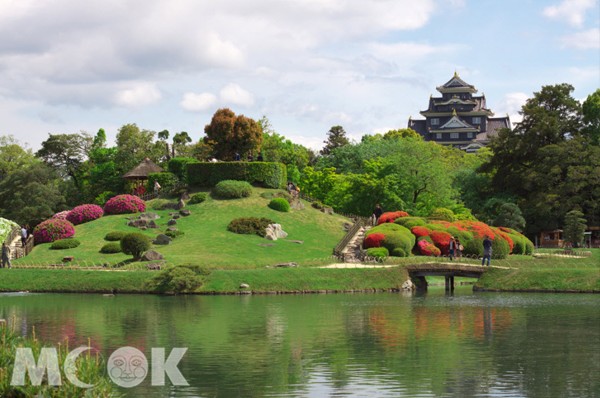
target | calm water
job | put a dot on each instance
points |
(359, 345)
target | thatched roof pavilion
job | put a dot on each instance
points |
(142, 170)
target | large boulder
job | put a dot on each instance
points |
(180, 204)
(274, 232)
(185, 212)
(162, 239)
(152, 255)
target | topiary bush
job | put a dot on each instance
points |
(396, 236)
(208, 174)
(373, 240)
(232, 189)
(175, 280)
(111, 248)
(500, 248)
(279, 204)
(136, 244)
(178, 166)
(378, 252)
(426, 248)
(198, 198)
(249, 225)
(84, 213)
(474, 247)
(53, 229)
(63, 244)
(391, 216)
(124, 204)
(114, 236)
(62, 214)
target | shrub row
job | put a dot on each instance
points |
(209, 174)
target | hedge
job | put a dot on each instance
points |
(208, 174)
(167, 181)
(178, 166)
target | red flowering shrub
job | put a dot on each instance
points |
(507, 238)
(442, 240)
(391, 216)
(122, 204)
(62, 215)
(395, 237)
(420, 231)
(373, 240)
(53, 229)
(84, 213)
(428, 249)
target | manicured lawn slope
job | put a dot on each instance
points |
(207, 242)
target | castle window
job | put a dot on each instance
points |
(453, 135)
(435, 121)
(469, 135)
(438, 136)
(476, 120)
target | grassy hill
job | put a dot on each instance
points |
(206, 241)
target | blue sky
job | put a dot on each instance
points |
(68, 66)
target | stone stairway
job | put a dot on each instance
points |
(353, 252)
(16, 249)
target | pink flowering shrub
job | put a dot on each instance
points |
(53, 229)
(123, 204)
(428, 249)
(84, 213)
(62, 215)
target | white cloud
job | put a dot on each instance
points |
(139, 94)
(511, 105)
(235, 95)
(198, 102)
(585, 40)
(571, 11)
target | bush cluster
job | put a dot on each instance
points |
(232, 189)
(249, 225)
(114, 236)
(124, 204)
(63, 244)
(398, 240)
(378, 252)
(198, 198)
(53, 229)
(208, 174)
(373, 240)
(111, 248)
(279, 204)
(391, 216)
(176, 280)
(84, 213)
(62, 214)
(135, 243)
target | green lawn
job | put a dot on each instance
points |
(207, 242)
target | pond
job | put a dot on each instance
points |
(352, 345)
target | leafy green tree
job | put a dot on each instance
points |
(591, 117)
(134, 145)
(402, 133)
(13, 156)
(180, 141)
(230, 134)
(575, 226)
(276, 148)
(509, 215)
(66, 153)
(336, 138)
(31, 194)
(163, 136)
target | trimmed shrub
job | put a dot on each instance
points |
(63, 244)
(442, 240)
(373, 240)
(391, 216)
(528, 247)
(198, 198)
(124, 204)
(175, 280)
(419, 231)
(399, 252)
(399, 240)
(378, 252)
(114, 236)
(62, 215)
(167, 182)
(111, 248)
(84, 213)
(279, 204)
(426, 248)
(249, 225)
(441, 213)
(473, 247)
(209, 174)
(410, 222)
(178, 166)
(160, 204)
(135, 243)
(232, 189)
(317, 205)
(53, 229)
(500, 248)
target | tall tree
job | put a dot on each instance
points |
(574, 228)
(230, 134)
(180, 140)
(336, 138)
(134, 145)
(13, 156)
(163, 136)
(591, 117)
(66, 153)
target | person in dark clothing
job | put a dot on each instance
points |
(259, 158)
(377, 213)
(5, 255)
(451, 248)
(24, 235)
(487, 251)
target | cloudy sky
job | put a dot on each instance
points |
(68, 65)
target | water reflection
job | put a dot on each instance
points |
(467, 345)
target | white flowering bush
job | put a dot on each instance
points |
(5, 227)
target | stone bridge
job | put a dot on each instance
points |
(448, 270)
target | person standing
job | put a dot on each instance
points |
(487, 251)
(377, 213)
(458, 248)
(24, 235)
(156, 187)
(5, 255)
(451, 248)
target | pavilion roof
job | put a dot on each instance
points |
(142, 170)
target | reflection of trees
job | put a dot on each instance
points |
(255, 346)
